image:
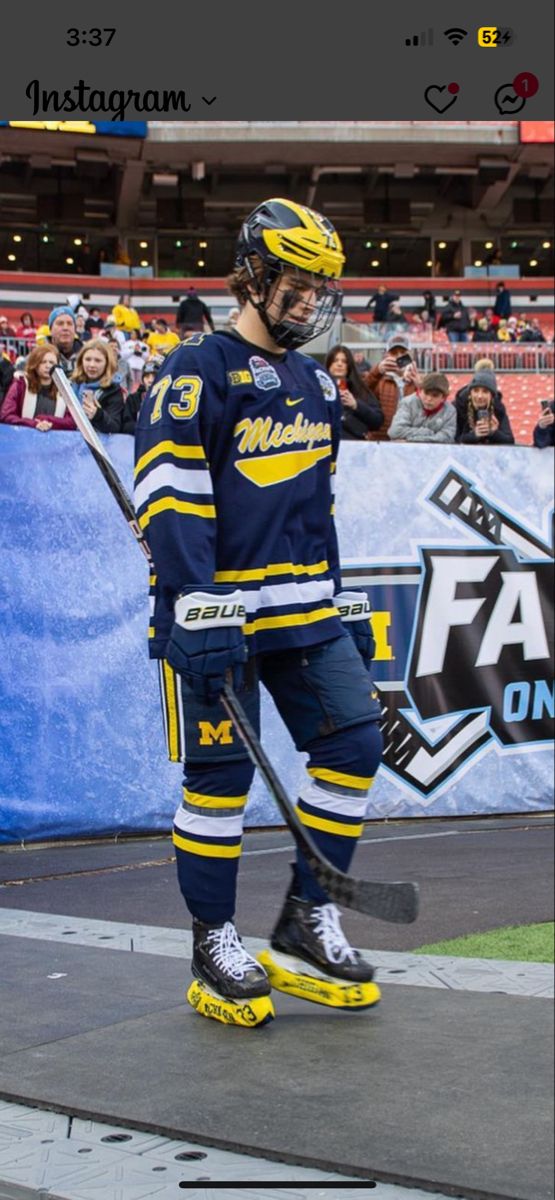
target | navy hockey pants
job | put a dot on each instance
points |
(331, 709)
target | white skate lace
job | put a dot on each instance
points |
(327, 926)
(228, 952)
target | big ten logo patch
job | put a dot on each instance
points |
(210, 734)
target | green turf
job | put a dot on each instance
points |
(521, 943)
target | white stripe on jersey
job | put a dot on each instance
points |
(281, 594)
(209, 827)
(179, 479)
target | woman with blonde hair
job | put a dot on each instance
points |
(100, 395)
(32, 398)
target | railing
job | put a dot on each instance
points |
(14, 348)
(525, 357)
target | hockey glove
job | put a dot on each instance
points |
(355, 612)
(206, 640)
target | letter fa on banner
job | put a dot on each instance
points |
(484, 639)
(215, 733)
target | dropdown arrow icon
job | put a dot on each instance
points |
(209, 101)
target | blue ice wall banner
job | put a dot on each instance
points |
(454, 546)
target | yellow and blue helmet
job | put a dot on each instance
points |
(285, 238)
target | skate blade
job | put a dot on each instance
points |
(247, 1013)
(284, 977)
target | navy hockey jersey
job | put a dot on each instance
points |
(235, 453)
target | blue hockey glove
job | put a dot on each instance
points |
(207, 641)
(355, 612)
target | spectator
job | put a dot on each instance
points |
(94, 322)
(543, 431)
(6, 330)
(113, 335)
(100, 395)
(506, 330)
(20, 366)
(192, 313)
(425, 416)
(135, 353)
(32, 398)
(43, 335)
(362, 365)
(393, 377)
(6, 374)
(125, 317)
(360, 410)
(380, 302)
(395, 314)
(134, 400)
(502, 307)
(62, 335)
(483, 331)
(26, 329)
(161, 339)
(454, 319)
(429, 310)
(81, 330)
(483, 419)
(532, 332)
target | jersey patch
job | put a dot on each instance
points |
(235, 378)
(327, 385)
(265, 376)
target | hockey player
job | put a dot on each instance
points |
(236, 445)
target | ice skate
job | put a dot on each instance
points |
(229, 985)
(310, 957)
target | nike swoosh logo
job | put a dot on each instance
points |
(292, 403)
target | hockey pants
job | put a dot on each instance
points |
(331, 709)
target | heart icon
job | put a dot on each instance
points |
(441, 103)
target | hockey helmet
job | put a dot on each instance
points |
(286, 237)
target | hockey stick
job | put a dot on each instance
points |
(396, 902)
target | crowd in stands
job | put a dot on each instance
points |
(112, 360)
(460, 323)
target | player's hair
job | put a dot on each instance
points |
(31, 369)
(79, 375)
(239, 280)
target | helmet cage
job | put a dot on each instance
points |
(285, 329)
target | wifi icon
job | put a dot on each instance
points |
(455, 35)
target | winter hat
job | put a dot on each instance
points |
(435, 382)
(485, 379)
(63, 310)
(398, 339)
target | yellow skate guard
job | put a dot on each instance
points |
(317, 988)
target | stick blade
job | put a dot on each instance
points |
(394, 902)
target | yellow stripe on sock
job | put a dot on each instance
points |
(202, 801)
(329, 826)
(360, 782)
(206, 849)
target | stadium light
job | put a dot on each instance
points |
(442, 245)
(546, 245)
(77, 241)
(70, 261)
(143, 262)
(17, 237)
(143, 245)
(374, 263)
(533, 262)
(11, 258)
